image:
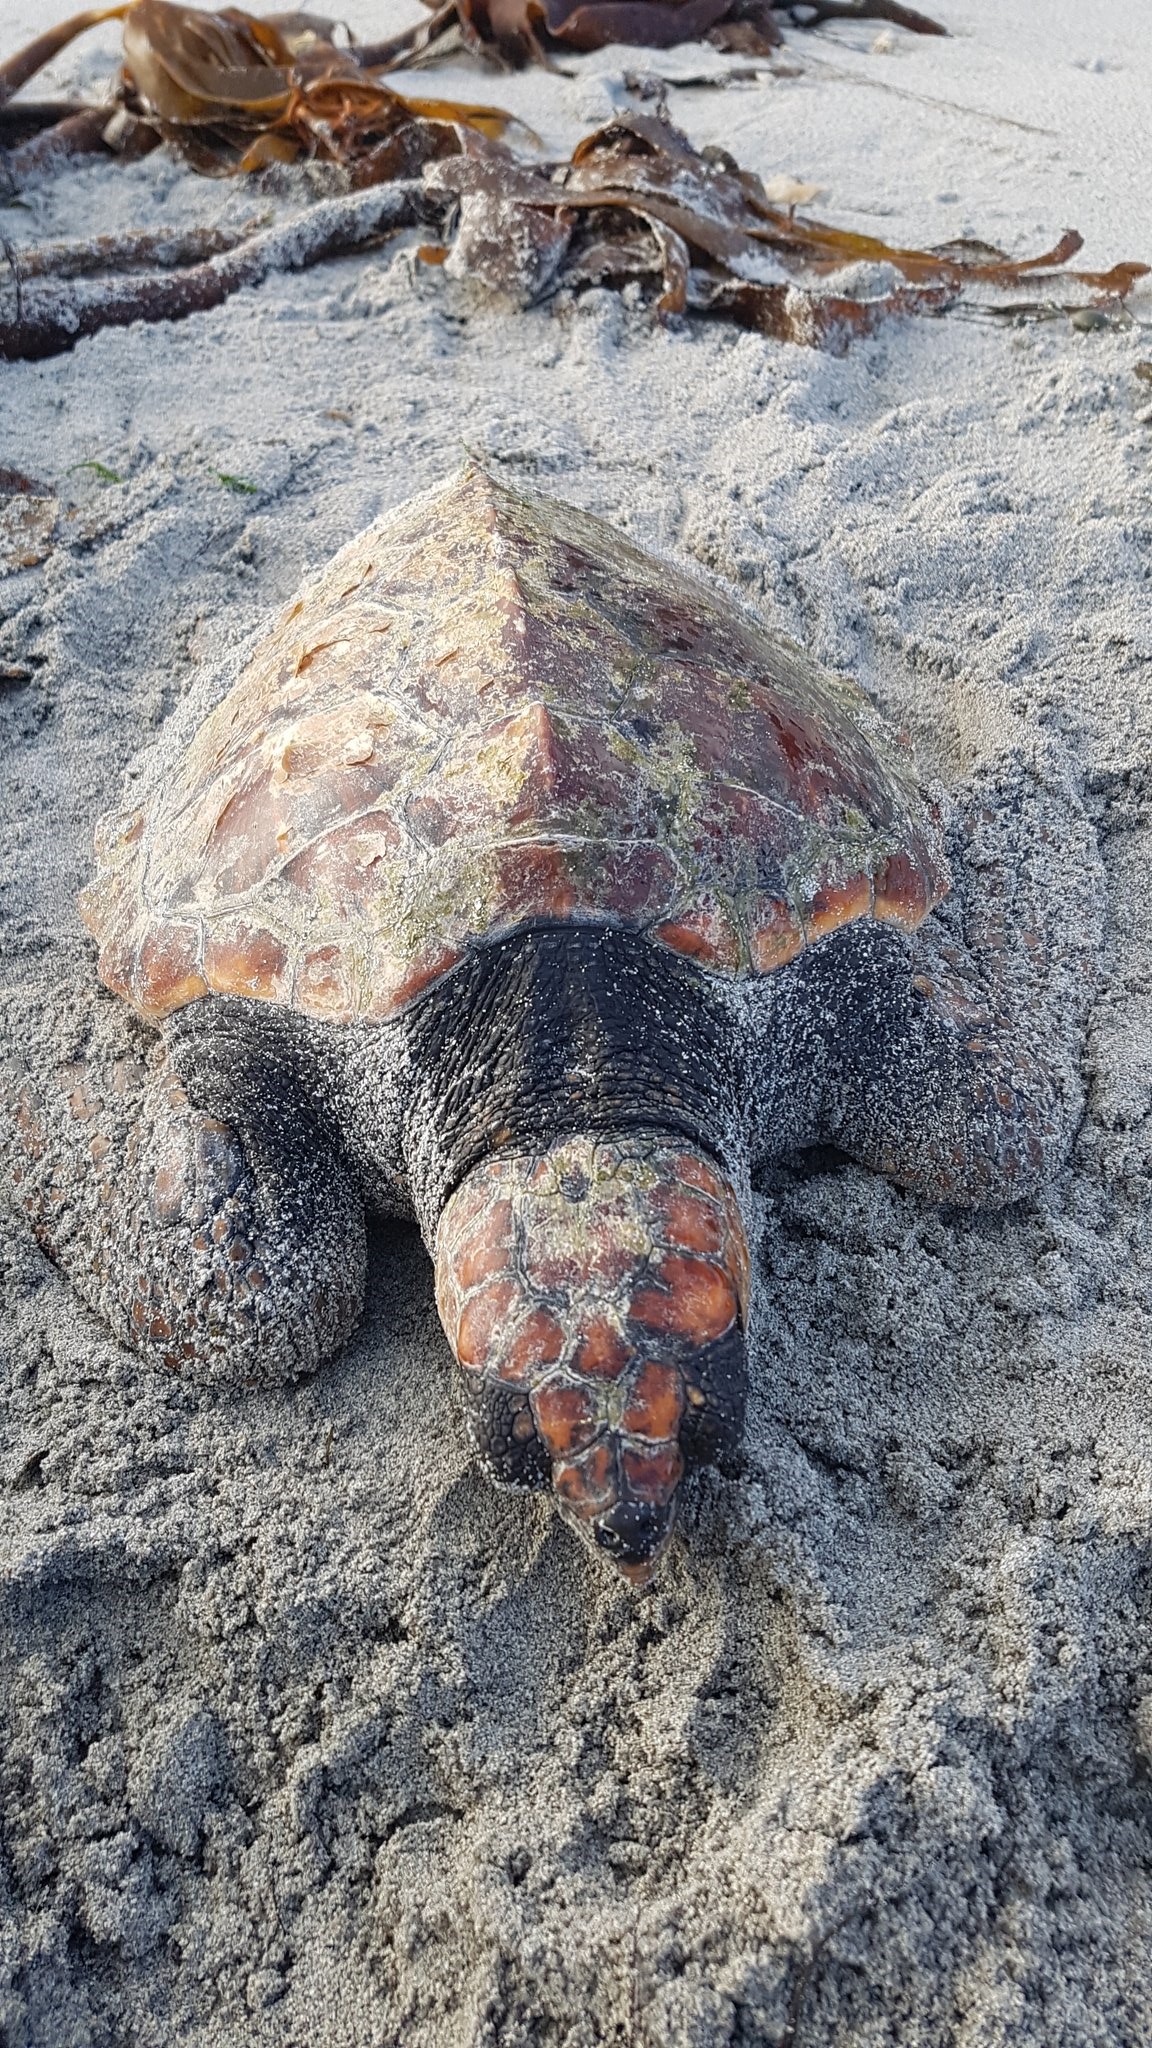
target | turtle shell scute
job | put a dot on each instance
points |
(492, 709)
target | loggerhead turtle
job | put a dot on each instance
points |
(528, 884)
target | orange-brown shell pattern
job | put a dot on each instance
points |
(492, 709)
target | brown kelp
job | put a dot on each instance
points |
(636, 203)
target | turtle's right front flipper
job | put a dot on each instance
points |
(218, 1253)
(957, 1069)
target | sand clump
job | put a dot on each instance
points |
(308, 1736)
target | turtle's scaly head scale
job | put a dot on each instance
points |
(595, 1295)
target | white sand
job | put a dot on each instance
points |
(309, 1737)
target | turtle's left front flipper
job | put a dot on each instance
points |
(960, 1074)
(221, 1253)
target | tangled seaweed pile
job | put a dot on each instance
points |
(515, 32)
(231, 92)
(635, 202)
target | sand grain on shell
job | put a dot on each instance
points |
(307, 1735)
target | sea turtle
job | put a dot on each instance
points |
(527, 884)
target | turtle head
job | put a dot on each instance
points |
(595, 1293)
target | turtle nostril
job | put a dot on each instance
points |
(634, 1532)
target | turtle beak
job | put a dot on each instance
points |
(633, 1536)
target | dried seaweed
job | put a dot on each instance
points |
(48, 320)
(635, 203)
(813, 13)
(136, 249)
(20, 120)
(235, 91)
(16, 71)
(81, 133)
(517, 32)
(636, 200)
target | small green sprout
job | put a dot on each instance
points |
(98, 469)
